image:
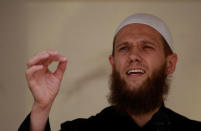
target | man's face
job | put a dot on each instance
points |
(140, 69)
(138, 52)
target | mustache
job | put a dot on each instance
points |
(136, 65)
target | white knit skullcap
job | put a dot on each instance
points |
(150, 20)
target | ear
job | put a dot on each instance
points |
(111, 59)
(171, 63)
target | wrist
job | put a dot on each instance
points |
(39, 117)
(41, 108)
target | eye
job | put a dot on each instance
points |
(123, 48)
(147, 47)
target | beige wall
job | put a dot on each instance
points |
(83, 31)
(13, 56)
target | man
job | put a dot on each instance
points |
(142, 61)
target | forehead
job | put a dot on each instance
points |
(138, 31)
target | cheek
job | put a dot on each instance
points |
(120, 63)
(155, 63)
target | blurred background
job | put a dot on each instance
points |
(82, 31)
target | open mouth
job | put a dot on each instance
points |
(135, 72)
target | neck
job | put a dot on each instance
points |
(142, 119)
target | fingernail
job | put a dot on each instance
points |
(63, 59)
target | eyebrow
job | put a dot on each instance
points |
(148, 42)
(122, 43)
(143, 41)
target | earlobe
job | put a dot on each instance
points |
(171, 63)
(111, 59)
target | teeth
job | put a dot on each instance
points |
(135, 71)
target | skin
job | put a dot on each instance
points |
(139, 46)
(44, 85)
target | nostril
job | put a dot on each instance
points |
(135, 57)
(135, 60)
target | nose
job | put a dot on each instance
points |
(135, 55)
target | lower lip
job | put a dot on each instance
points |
(135, 75)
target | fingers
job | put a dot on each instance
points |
(44, 58)
(61, 68)
(32, 70)
(37, 58)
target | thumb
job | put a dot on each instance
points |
(61, 68)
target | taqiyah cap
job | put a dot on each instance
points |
(150, 20)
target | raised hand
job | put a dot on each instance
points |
(43, 83)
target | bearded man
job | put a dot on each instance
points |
(142, 62)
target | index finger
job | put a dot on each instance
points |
(40, 58)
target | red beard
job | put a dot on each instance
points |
(145, 99)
